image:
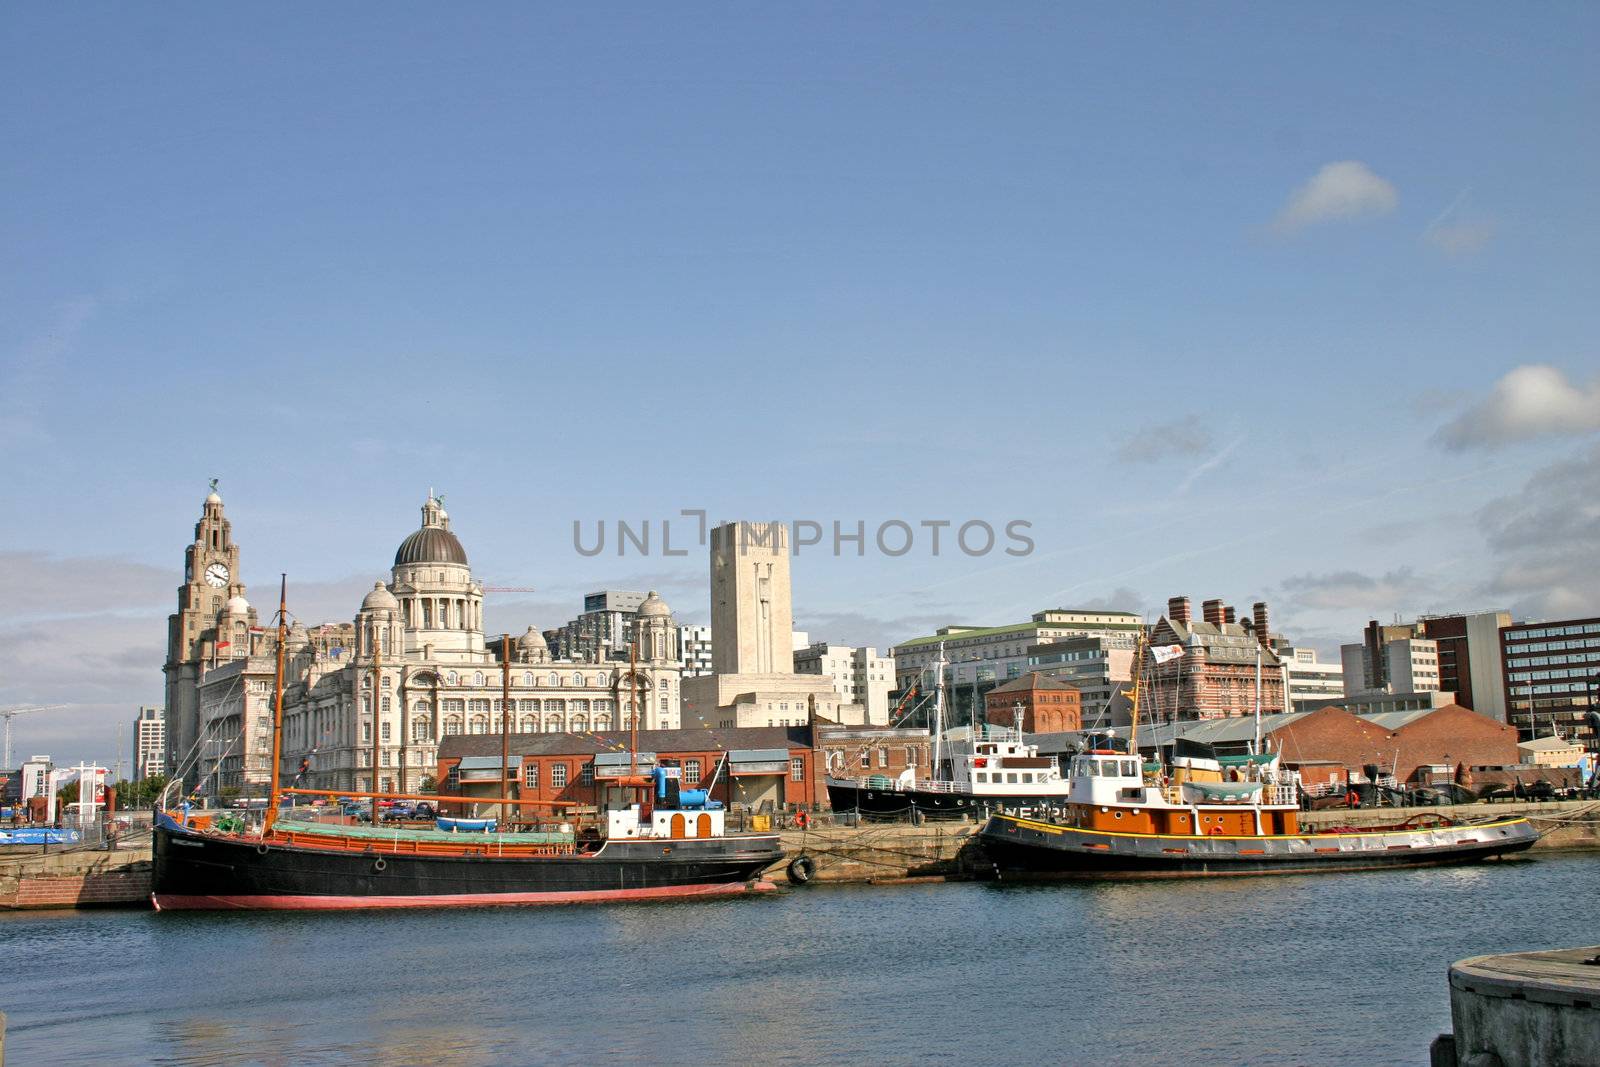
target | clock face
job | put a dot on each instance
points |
(217, 575)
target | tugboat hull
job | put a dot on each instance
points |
(204, 871)
(1024, 848)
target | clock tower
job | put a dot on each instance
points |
(210, 580)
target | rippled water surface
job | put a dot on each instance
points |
(1336, 969)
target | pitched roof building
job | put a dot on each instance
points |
(1217, 674)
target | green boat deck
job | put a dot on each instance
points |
(381, 833)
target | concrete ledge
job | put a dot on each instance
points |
(1539, 1009)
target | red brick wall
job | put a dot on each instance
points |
(1044, 710)
(587, 794)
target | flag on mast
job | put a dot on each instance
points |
(1165, 653)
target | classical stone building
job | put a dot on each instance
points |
(414, 665)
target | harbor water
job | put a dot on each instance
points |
(1331, 969)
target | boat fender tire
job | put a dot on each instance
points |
(379, 864)
(261, 850)
(801, 869)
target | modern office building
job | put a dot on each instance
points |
(1311, 683)
(694, 650)
(603, 631)
(149, 743)
(1551, 677)
(1396, 665)
(967, 647)
(859, 675)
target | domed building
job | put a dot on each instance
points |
(412, 667)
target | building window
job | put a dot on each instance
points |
(866, 759)
(555, 679)
(477, 678)
(691, 771)
(386, 731)
(558, 775)
(586, 774)
(530, 775)
(883, 757)
(366, 731)
(577, 680)
(797, 769)
(453, 779)
(527, 679)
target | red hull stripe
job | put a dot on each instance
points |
(186, 902)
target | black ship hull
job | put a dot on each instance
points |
(897, 802)
(206, 871)
(1029, 849)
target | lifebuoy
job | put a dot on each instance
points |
(802, 820)
(378, 864)
(801, 868)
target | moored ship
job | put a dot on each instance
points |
(1000, 773)
(672, 842)
(1117, 822)
(1216, 816)
(673, 847)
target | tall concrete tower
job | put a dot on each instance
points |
(752, 619)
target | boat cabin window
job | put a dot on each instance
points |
(1011, 778)
(1129, 768)
(982, 776)
(1027, 777)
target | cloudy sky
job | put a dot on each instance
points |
(1295, 304)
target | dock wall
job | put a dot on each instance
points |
(82, 878)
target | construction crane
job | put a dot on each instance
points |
(509, 589)
(9, 713)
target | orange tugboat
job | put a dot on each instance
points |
(1123, 816)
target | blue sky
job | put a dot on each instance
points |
(1239, 301)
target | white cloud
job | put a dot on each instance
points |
(1544, 539)
(1531, 401)
(1339, 191)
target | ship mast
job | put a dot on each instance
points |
(1135, 692)
(938, 713)
(377, 706)
(505, 730)
(277, 705)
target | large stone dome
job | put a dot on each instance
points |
(431, 544)
(434, 543)
(653, 606)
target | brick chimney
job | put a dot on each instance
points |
(1212, 611)
(1178, 609)
(1229, 615)
(1259, 610)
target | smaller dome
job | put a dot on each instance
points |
(213, 498)
(653, 605)
(531, 640)
(380, 599)
(237, 605)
